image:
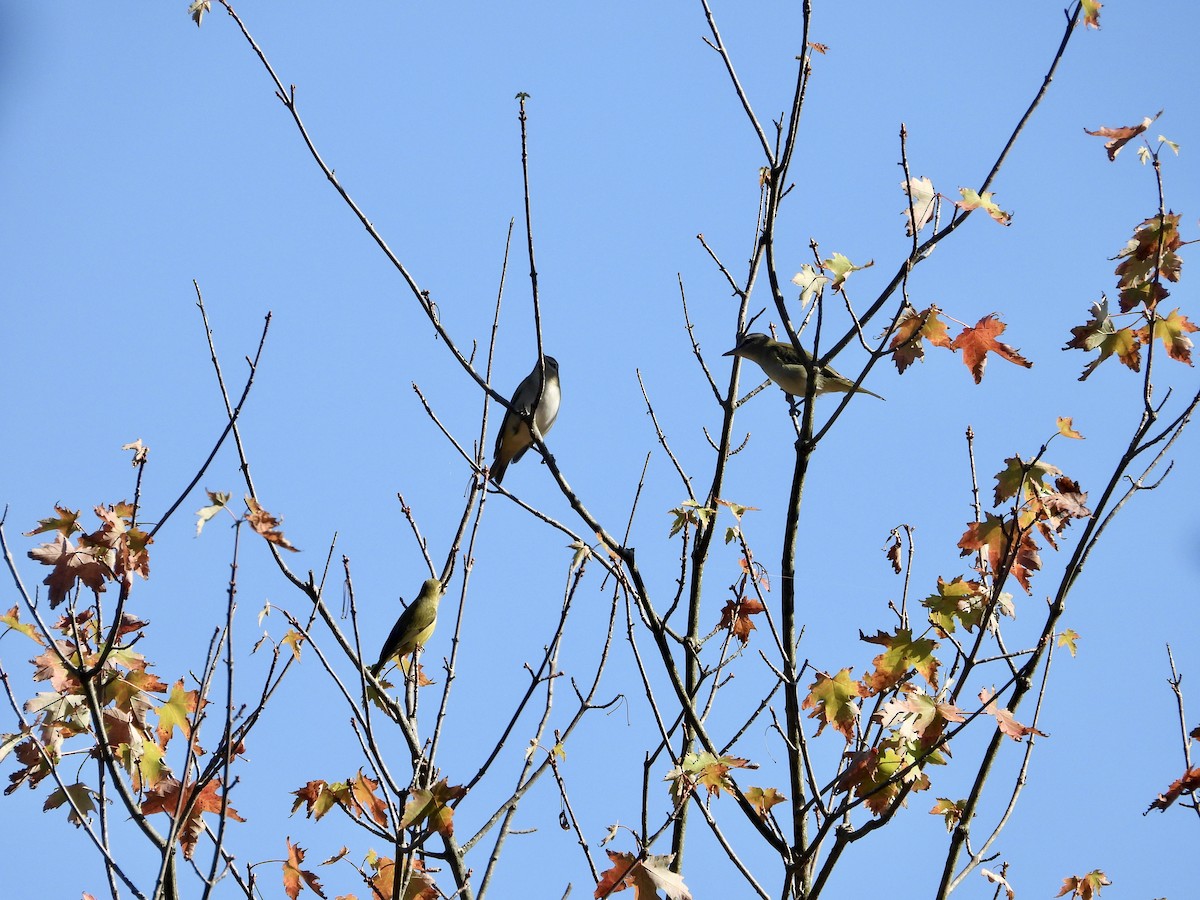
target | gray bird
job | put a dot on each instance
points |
(788, 367)
(514, 438)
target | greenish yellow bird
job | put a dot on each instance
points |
(514, 438)
(788, 367)
(413, 628)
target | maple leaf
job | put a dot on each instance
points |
(1066, 427)
(1091, 13)
(950, 810)
(1004, 718)
(267, 525)
(736, 617)
(174, 712)
(704, 770)
(646, 876)
(361, 797)
(912, 330)
(833, 701)
(12, 620)
(902, 654)
(90, 565)
(78, 799)
(1149, 257)
(893, 552)
(762, 799)
(65, 523)
(1100, 333)
(924, 202)
(318, 797)
(382, 882)
(872, 773)
(918, 717)
(1006, 547)
(1173, 330)
(294, 878)
(197, 9)
(974, 200)
(841, 268)
(218, 500)
(1026, 477)
(140, 452)
(811, 283)
(957, 601)
(1120, 136)
(977, 342)
(690, 513)
(1189, 783)
(165, 797)
(433, 806)
(1068, 638)
(1085, 887)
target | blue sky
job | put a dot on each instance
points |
(138, 153)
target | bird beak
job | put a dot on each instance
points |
(732, 352)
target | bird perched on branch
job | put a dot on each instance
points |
(788, 367)
(514, 437)
(413, 628)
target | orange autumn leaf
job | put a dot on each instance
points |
(294, 878)
(1121, 135)
(1188, 784)
(736, 617)
(165, 797)
(647, 875)
(267, 525)
(1004, 545)
(976, 343)
(913, 329)
(1085, 887)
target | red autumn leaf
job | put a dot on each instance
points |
(976, 343)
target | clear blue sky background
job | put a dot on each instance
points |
(138, 153)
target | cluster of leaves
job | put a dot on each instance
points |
(112, 552)
(379, 874)
(427, 811)
(1146, 262)
(103, 692)
(645, 873)
(910, 725)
